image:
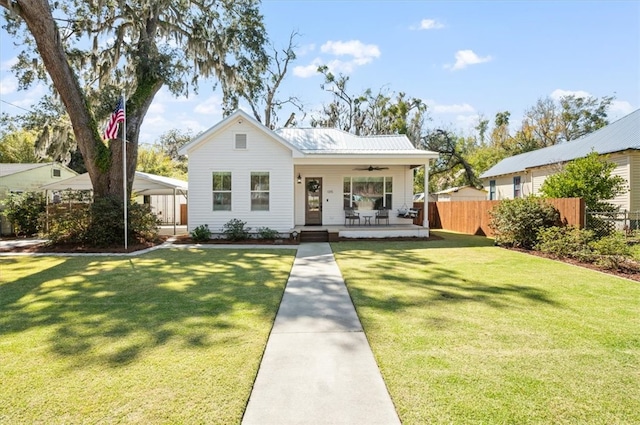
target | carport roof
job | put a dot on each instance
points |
(143, 184)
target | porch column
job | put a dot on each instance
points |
(425, 215)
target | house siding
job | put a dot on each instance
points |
(627, 167)
(634, 181)
(31, 180)
(332, 191)
(262, 154)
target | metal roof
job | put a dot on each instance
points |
(618, 136)
(143, 184)
(6, 169)
(334, 141)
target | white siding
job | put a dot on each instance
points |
(263, 153)
(634, 181)
(623, 169)
(332, 193)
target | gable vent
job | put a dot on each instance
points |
(241, 141)
(57, 172)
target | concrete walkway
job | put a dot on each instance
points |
(318, 367)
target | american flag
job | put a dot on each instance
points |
(111, 132)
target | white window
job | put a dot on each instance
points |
(259, 191)
(368, 193)
(221, 182)
(240, 141)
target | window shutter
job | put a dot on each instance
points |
(241, 141)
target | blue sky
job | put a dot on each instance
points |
(465, 59)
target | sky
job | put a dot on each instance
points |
(464, 59)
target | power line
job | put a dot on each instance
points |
(16, 106)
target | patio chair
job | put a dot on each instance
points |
(382, 215)
(350, 216)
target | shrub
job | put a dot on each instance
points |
(234, 230)
(611, 250)
(566, 242)
(101, 223)
(201, 233)
(268, 234)
(24, 211)
(516, 222)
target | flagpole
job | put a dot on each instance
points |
(124, 165)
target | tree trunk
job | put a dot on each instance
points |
(98, 160)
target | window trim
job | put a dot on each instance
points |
(260, 191)
(385, 181)
(492, 190)
(517, 187)
(235, 141)
(229, 191)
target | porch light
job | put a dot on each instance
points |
(299, 178)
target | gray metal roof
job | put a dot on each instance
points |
(334, 141)
(6, 169)
(618, 136)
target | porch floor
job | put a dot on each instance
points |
(369, 231)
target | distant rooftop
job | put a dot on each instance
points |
(618, 136)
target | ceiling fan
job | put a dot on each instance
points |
(371, 168)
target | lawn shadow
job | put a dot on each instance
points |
(108, 310)
(406, 267)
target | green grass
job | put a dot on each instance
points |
(468, 333)
(173, 336)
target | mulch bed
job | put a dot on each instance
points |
(629, 270)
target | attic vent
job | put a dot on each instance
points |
(241, 141)
(57, 172)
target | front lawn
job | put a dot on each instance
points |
(172, 336)
(465, 332)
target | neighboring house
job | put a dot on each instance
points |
(462, 193)
(240, 169)
(523, 174)
(166, 196)
(19, 178)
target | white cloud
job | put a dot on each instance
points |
(428, 24)
(307, 70)
(452, 109)
(362, 53)
(8, 85)
(305, 49)
(621, 107)
(6, 65)
(559, 93)
(465, 58)
(211, 105)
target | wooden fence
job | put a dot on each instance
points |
(472, 217)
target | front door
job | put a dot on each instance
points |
(313, 204)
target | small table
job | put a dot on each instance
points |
(367, 220)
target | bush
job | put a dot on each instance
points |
(234, 230)
(566, 242)
(201, 233)
(516, 222)
(101, 223)
(24, 212)
(268, 234)
(611, 251)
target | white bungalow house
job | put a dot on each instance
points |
(523, 174)
(292, 178)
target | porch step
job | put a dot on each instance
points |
(314, 236)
